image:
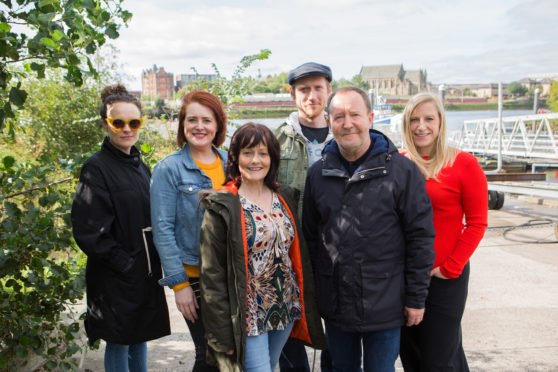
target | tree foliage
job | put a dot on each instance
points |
(552, 101)
(41, 270)
(39, 34)
(516, 89)
(59, 118)
(356, 81)
(273, 84)
(46, 49)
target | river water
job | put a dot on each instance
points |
(454, 121)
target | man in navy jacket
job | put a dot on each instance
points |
(368, 223)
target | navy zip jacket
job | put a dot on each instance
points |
(370, 237)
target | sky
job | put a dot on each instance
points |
(455, 41)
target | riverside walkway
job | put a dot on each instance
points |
(511, 319)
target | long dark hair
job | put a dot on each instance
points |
(247, 136)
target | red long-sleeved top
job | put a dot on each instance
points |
(461, 190)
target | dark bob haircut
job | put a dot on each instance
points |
(247, 136)
(211, 102)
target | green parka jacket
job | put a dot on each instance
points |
(294, 155)
(223, 278)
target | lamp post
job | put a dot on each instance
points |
(500, 134)
(442, 91)
(536, 100)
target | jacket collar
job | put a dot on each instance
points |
(230, 187)
(294, 124)
(189, 161)
(331, 157)
(133, 159)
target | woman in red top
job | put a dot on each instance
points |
(457, 188)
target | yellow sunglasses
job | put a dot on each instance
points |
(119, 124)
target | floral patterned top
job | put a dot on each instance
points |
(273, 298)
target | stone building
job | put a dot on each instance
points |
(489, 90)
(393, 80)
(532, 81)
(156, 82)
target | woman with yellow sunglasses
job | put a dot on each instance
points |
(111, 223)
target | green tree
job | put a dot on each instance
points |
(59, 118)
(273, 84)
(45, 55)
(356, 81)
(40, 34)
(552, 101)
(516, 89)
(531, 92)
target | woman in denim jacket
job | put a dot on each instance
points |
(176, 215)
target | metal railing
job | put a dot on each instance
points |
(528, 136)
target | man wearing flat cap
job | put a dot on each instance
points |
(302, 137)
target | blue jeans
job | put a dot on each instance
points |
(121, 358)
(346, 349)
(262, 352)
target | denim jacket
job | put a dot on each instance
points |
(176, 215)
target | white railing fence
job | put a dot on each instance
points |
(528, 136)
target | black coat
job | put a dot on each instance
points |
(125, 304)
(370, 237)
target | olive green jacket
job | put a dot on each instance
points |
(223, 279)
(294, 155)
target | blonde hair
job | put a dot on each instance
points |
(442, 154)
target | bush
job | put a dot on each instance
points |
(59, 118)
(41, 269)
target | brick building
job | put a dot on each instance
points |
(157, 82)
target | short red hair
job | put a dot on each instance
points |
(211, 102)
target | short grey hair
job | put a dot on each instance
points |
(359, 91)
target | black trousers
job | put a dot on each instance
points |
(197, 331)
(435, 344)
(294, 359)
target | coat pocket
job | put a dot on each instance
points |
(382, 291)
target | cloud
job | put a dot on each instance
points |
(460, 40)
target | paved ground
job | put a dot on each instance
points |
(511, 319)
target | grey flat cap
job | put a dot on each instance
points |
(308, 69)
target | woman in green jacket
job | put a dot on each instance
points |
(255, 274)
